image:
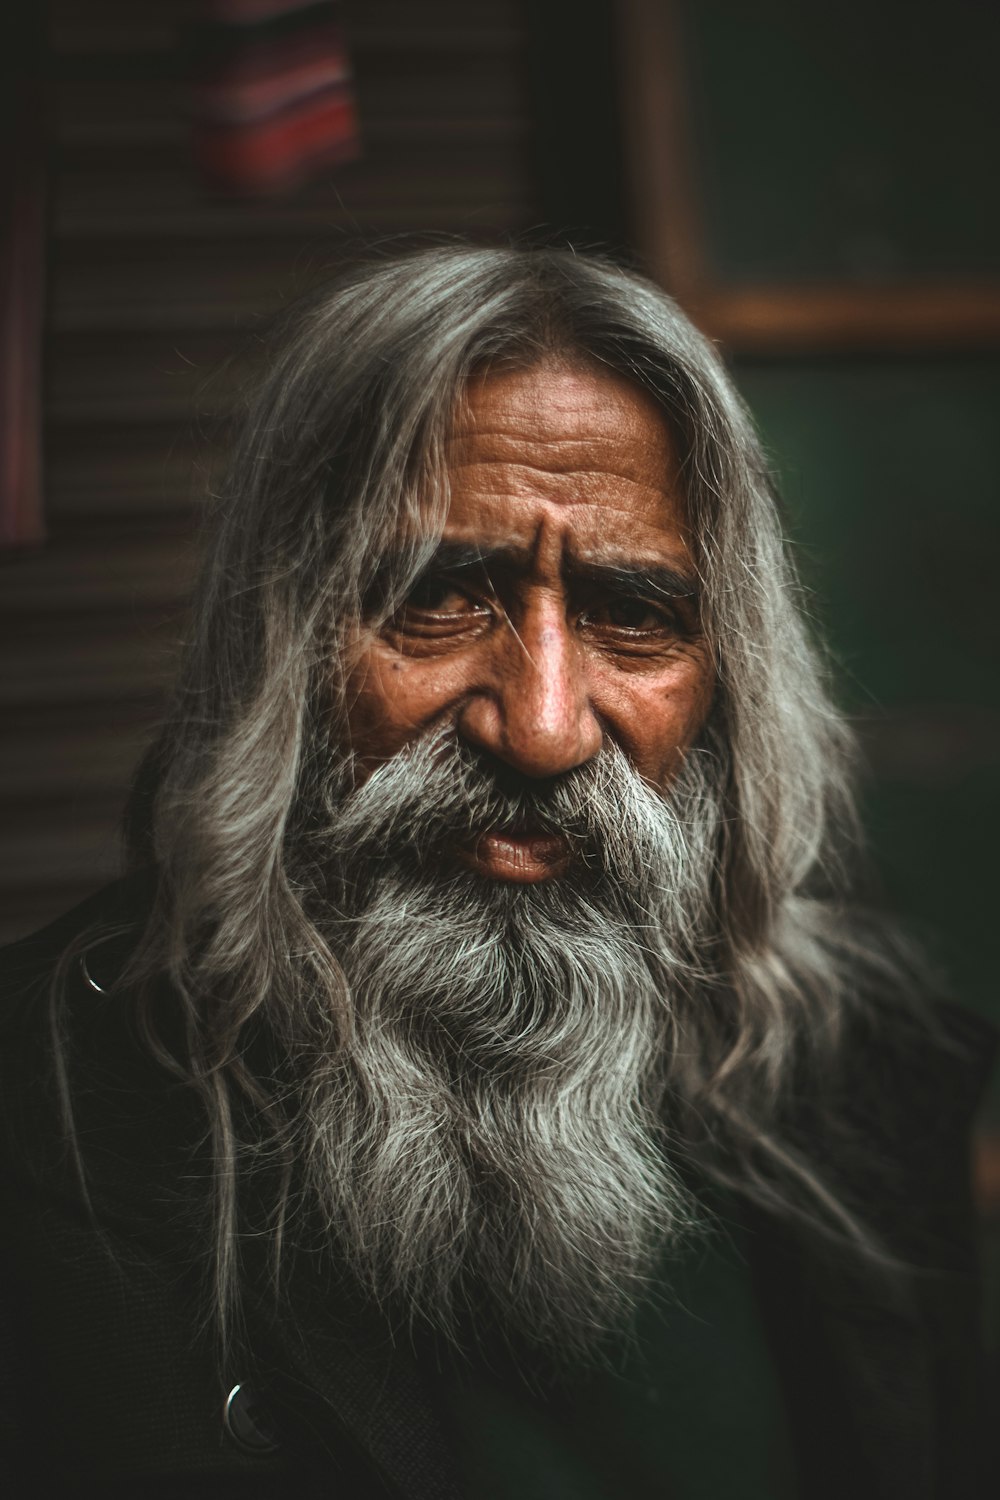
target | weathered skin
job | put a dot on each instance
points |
(561, 477)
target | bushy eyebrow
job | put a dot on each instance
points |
(621, 575)
(639, 578)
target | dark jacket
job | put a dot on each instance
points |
(110, 1385)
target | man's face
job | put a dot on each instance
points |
(560, 611)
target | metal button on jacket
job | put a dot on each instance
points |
(248, 1422)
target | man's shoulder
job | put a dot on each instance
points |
(90, 1118)
(60, 1025)
(893, 1128)
(105, 919)
(903, 1059)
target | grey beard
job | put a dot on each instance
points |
(492, 1144)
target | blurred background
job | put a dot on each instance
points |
(817, 185)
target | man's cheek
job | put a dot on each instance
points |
(384, 709)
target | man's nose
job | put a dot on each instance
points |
(535, 712)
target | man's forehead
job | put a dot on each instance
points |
(557, 469)
(557, 414)
(572, 387)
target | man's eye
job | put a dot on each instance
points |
(630, 614)
(438, 608)
(437, 595)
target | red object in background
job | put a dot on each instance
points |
(22, 279)
(272, 96)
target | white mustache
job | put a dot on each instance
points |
(437, 793)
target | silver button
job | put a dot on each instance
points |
(247, 1421)
(89, 980)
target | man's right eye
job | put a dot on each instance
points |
(437, 608)
(438, 595)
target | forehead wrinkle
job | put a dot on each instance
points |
(563, 430)
(555, 456)
(524, 480)
(610, 429)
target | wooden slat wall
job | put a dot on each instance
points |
(152, 282)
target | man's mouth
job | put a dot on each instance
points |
(524, 856)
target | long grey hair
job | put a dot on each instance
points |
(339, 457)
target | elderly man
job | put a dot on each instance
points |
(486, 1082)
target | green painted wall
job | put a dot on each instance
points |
(859, 143)
(854, 139)
(889, 473)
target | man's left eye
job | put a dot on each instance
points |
(625, 613)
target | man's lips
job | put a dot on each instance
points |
(524, 857)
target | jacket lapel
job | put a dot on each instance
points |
(879, 1367)
(856, 1373)
(354, 1396)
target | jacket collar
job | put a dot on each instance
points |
(880, 1366)
(339, 1377)
(856, 1373)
